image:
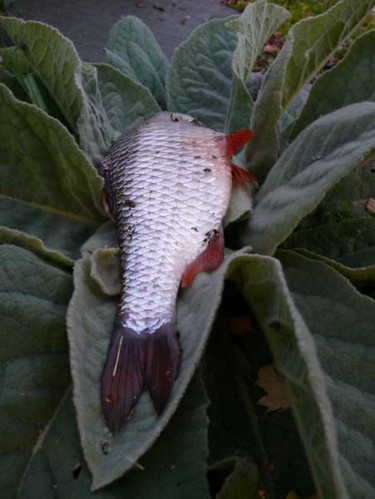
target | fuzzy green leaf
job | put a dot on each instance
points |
(35, 245)
(321, 155)
(34, 362)
(343, 225)
(125, 100)
(43, 166)
(310, 42)
(253, 28)
(132, 48)
(200, 76)
(350, 81)
(342, 322)
(242, 483)
(261, 281)
(175, 467)
(362, 278)
(90, 321)
(54, 231)
(41, 51)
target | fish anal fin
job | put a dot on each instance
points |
(241, 175)
(235, 141)
(123, 376)
(163, 357)
(210, 259)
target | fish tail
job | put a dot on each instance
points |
(162, 364)
(133, 362)
(123, 376)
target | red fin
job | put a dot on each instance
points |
(243, 175)
(163, 361)
(211, 258)
(235, 141)
(123, 376)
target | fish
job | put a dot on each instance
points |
(167, 185)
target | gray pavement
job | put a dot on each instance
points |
(88, 22)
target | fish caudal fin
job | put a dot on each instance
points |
(123, 376)
(133, 362)
(163, 362)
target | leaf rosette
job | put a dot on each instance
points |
(310, 305)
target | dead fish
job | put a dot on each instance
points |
(167, 186)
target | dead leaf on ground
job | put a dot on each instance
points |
(273, 384)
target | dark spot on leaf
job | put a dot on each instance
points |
(105, 447)
(214, 157)
(275, 325)
(157, 7)
(207, 170)
(77, 471)
(174, 118)
(194, 228)
(197, 157)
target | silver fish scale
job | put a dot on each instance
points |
(170, 183)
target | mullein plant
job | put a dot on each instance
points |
(299, 270)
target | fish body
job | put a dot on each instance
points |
(167, 185)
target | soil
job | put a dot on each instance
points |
(88, 22)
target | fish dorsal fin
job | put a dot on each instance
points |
(210, 259)
(242, 175)
(235, 141)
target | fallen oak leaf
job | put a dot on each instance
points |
(272, 383)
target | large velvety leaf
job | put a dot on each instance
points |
(34, 363)
(44, 52)
(90, 321)
(175, 467)
(253, 28)
(50, 56)
(124, 100)
(35, 245)
(55, 231)
(339, 240)
(342, 322)
(94, 128)
(343, 225)
(242, 483)
(261, 281)
(42, 165)
(363, 278)
(320, 156)
(133, 49)
(200, 76)
(350, 81)
(310, 42)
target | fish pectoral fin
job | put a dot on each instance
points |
(241, 175)
(235, 141)
(123, 376)
(210, 259)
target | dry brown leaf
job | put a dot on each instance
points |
(273, 384)
(370, 206)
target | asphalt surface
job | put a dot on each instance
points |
(88, 22)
